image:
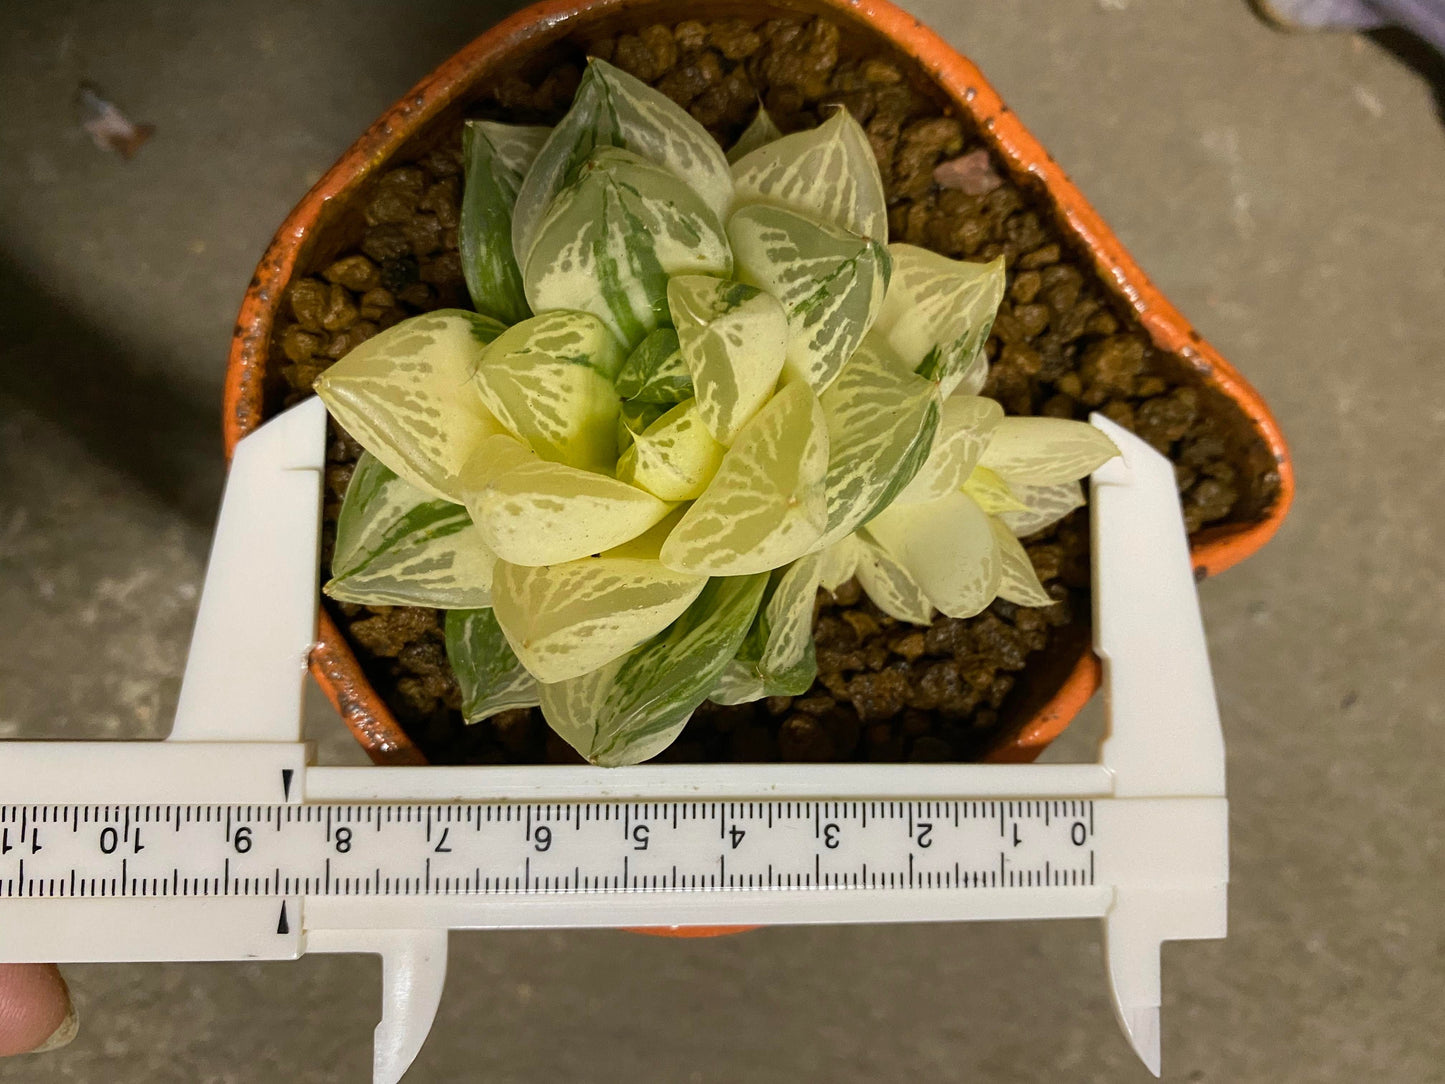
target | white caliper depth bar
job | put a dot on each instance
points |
(1158, 791)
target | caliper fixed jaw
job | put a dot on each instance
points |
(1164, 743)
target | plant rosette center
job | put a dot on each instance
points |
(696, 388)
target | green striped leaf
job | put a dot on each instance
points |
(1043, 506)
(732, 338)
(674, 458)
(828, 173)
(1046, 451)
(1017, 580)
(891, 586)
(567, 619)
(614, 109)
(938, 313)
(881, 423)
(516, 145)
(964, 429)
(654, 372)
(548, 380)
(830, 282)
(541, 513)
(759, 133)
(634, 707)
(766, 505)
(490, 677)
(947, 546)
(406, 395)
(398, 546)
(484, 236)
(611, 240)
(778, 657)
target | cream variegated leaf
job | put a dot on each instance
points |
(633, 708)
(938, 314)
(1018, 582)
(675, 457)
(516, 145)
(830, 282)
(891, 587)
(564, 620)
(490, 677)
(778, 657)
(654, 372)
(828, 172)
(732, 338)
(612, 108)
(759, 133)
(398, 546)
(991, 492)
(766, 506)
(948, 547)
(542, 513)
(840, 562)
(963, 432)
(881, 423)
(484, 234)
(547, 380)
(1043, 506)
(610, 241)
(1046, 451)
(406, 396)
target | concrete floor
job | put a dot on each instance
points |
(1285, 191)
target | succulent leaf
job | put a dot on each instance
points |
(839, 562)
(1046, 451)
(831, 283)
(732, 338)
(766, 506)
(675, 457)
(1018, 582)
(516, 145)
(654, 372)
(948, 547)
(963, 432)
(634, 707)
(881, 423)
(828, 172)
(404, 395)
(759, 133)
(889, 584)
(610, 241)
(490, 677)
(991, 493)
(777, 657)
(547, 380)
(938, 313)
(615, 109)
(398, 546)
(541, 513)
(564, 620)
(1043, 506)
(484, 236)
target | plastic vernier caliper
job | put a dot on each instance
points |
(111, 852)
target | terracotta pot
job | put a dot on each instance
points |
(316, 230)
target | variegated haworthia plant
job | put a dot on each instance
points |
(696, 387)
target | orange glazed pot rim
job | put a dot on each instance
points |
(333, 663)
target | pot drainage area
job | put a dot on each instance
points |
(1282, 190)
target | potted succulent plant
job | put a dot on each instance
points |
(628, 400)
(720, 390)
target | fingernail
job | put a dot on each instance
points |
(62, 1035)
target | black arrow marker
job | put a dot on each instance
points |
(286, 774)
(283, 926)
